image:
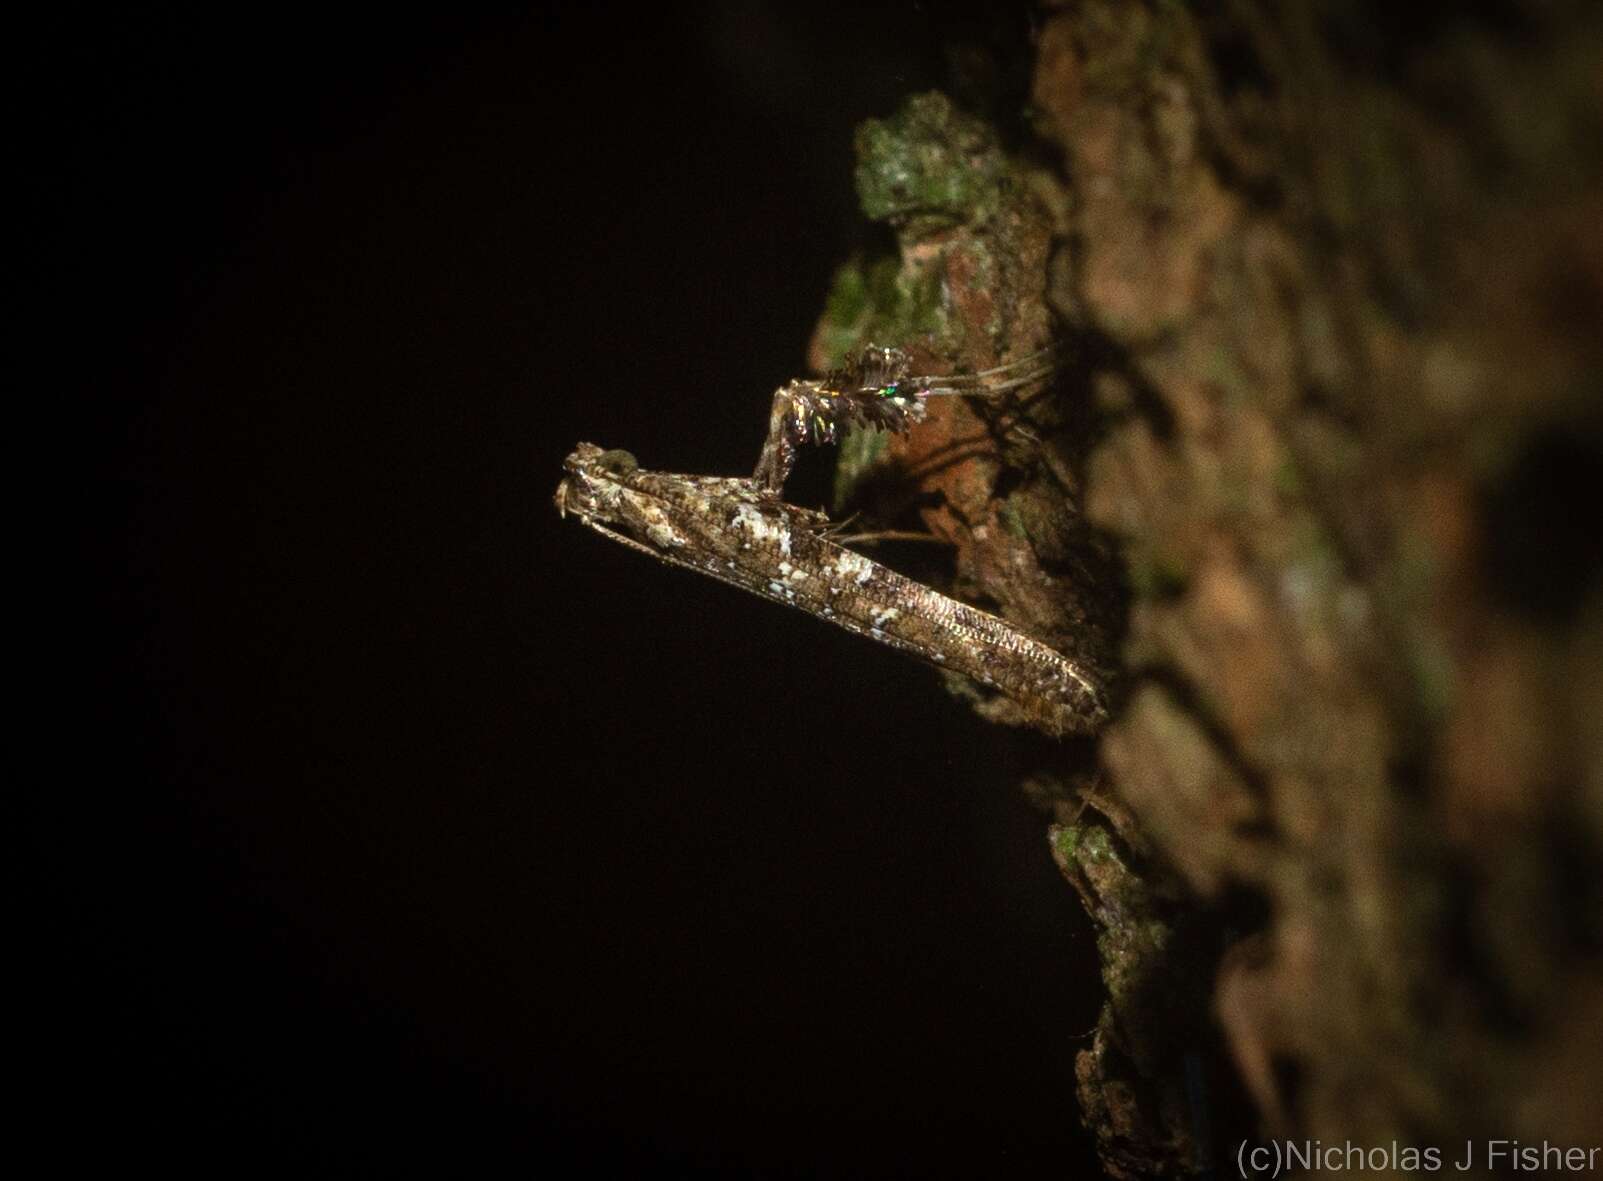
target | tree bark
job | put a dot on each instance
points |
(1313, 490)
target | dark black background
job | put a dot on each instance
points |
(402, 821)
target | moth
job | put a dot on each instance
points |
(740, 531)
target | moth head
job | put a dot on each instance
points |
(593, 481)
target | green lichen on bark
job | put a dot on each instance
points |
(1137, 1079)
(927, 166)
(965, 292)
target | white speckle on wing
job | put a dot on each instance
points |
(761, 528)
(854, 566)
(663, 535)
(658, 528)
(884, 615)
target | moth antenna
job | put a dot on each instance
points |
(1027, 359)
(889, 535)
(836, 526)
(957, 379)
(984, 391)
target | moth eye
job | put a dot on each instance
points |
(617, 463)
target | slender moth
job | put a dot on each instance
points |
(739, 531)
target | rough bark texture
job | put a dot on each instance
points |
(1316, 490)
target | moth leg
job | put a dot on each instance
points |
(802, 412)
